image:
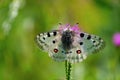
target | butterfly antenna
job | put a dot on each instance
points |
(77, 23)
(60, 23)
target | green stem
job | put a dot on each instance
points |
(68, 67)
(69, 70)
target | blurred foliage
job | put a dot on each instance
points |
(21, 20)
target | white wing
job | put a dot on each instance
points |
(83, 45)
(91, 43)
(50, 42)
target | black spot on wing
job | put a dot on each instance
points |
(62, 51)
(94, 41)
(39, 34)
(99, 38)
(53, 41)
(89, 37)
(48, 34)
(81, 43)
(54, 33)
(82, 35)
(43, 38)
(70, 51)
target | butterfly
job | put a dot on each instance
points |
(69, 43)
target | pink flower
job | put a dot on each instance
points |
(64, 27)
(116, 39)
(74, 28)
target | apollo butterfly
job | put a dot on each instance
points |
(69, 43)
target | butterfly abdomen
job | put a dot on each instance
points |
(67, 39)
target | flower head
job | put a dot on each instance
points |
(74, 28)
(116, 39)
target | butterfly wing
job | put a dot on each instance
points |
(50, 42)
(44, 40)
(90, 43)
(83, 45)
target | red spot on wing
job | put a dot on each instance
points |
(55, 50)
(78, 51)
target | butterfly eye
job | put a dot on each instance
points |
(55, 50)
(78, 51)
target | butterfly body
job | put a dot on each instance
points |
(67, 39)
(69, 43)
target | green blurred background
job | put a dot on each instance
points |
(22, 20)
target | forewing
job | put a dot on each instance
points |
(90, 43)
(50, 42)
(45, 40)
